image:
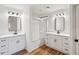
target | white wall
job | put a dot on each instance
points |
(26, 17)
(24, 8)
(31, 43)
(51, 23)
(4, 19)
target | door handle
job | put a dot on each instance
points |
(76, 40)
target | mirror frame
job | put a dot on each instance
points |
(63, 20)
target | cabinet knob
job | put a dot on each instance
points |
(3, 46)
(17, 41)
(55, 40)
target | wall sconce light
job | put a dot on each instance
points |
(13, 13)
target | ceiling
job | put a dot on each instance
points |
(40, 9)
(17, 6)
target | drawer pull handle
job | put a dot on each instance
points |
(66, 49)
(3, 40)
(3, 46)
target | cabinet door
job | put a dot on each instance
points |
(59, 43)
(16, 44)
(55, 42)
(12, 45)
(52, 41)
(20, 43)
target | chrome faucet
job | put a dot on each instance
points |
(58, 32)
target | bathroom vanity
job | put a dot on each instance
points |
(10, 44)
(60, 42)
(58, 31)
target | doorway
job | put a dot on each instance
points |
(76, 30)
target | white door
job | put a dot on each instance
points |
(35, 30)
(77, 29)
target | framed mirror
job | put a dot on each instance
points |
(59, 23)
(14, 24)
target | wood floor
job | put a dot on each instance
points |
(43, 50)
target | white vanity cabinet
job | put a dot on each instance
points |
(51, 41)
(16, 44)
(12, 44)
(58, 42)
(54, 42)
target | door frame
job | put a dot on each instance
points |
(73, 34)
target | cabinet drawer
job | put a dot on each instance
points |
(65, 47)
(3, 41)
(3, 52)
(65, 39)
(3, 46)
(66, 44)
(66, 50)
